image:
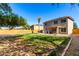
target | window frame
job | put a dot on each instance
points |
(55, 22)
(63, 21)
(63, 30)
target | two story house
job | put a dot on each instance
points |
(62, 25)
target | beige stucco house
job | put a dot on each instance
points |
(62, 25)
(37, 27)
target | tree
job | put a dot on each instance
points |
(1, 19)
(17, 21)
(5, 8)
(75, 26)
(5, 11)
(9, 19)
(13, 21)
(73, 5)
(39, 20)
(23, 22)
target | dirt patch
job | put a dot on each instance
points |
(20, 47)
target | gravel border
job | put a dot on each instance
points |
(64, 51)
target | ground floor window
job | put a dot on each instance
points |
(63, 29)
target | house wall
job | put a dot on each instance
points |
(51, 24)
(37, 28)
(69, 26)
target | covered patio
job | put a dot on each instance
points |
(57, 30)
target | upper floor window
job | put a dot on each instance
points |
(55, 22)
(63, 21)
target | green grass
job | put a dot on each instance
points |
(45, 38)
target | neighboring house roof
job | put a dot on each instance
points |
(61, 18)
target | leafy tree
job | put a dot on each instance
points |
(5, 11)
(9, 19)
(73, 5)
(22, 21)
(13, 21)
(75, 25)
(17, 21)
(5, 8)
(1, 17)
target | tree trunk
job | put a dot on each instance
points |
(38, 27)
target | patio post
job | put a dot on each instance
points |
(57, 30)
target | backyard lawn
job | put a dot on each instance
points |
(32, 44)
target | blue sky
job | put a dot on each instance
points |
(31, 11)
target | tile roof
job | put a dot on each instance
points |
(61, 18)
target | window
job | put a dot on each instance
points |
(55, 22)
(63, 29)
(63, 21)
